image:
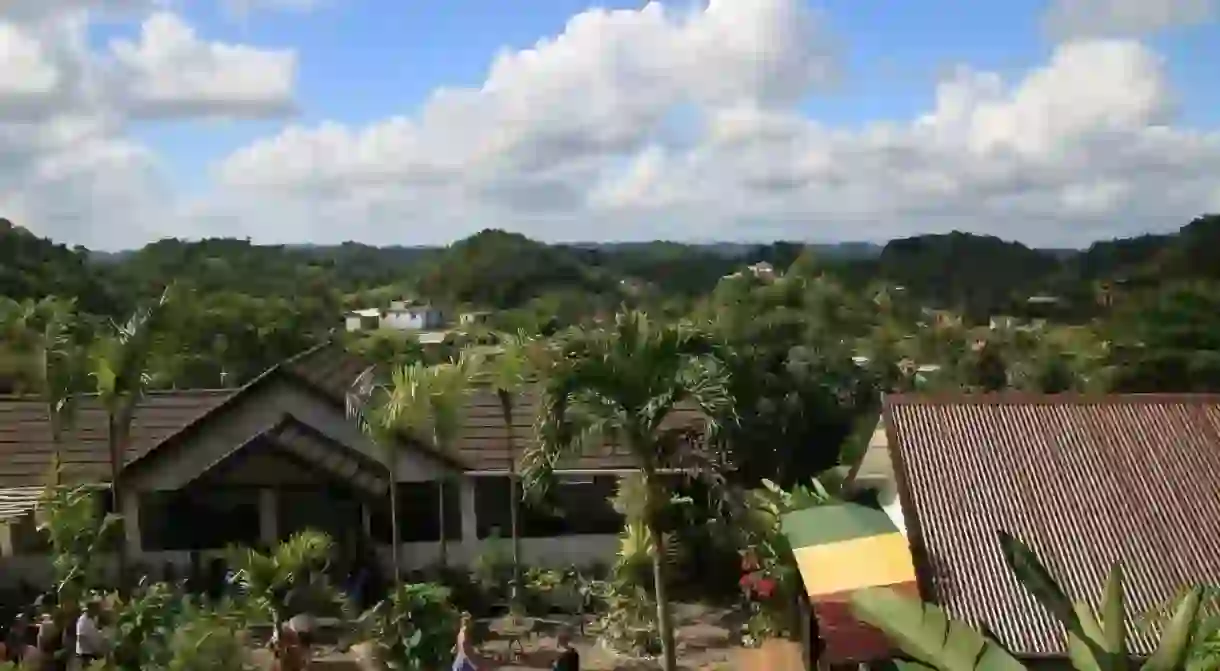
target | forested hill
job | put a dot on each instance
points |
(979, 275)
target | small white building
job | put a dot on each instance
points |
(402, 315)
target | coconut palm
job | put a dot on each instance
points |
(120, 369)
(621, 383)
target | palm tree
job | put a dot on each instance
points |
(509, 372)
(424, 402)
(121, 372)
(43, 331)
(384, 409)
(622, 383)
(449, 384)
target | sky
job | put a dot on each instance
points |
(413, 122)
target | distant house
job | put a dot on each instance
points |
(473, 318)
(403, 315)
(1085, 480)
(206, 469)
(762, 270)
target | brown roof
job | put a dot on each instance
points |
(483, 445)
(26, 447)
(1085, 481)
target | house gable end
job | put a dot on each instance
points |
(260, 408)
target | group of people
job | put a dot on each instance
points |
(38, 642)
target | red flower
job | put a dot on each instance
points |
(764, 587)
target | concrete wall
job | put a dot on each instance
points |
(548, 552)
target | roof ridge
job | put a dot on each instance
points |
(1036, 398)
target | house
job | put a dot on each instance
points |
(210, 468)
(1086, 481)
(402, 315)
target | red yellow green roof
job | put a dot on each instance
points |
(845, 547)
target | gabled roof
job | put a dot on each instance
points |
(483, 444)
(26, 448)
(302, 444)
(1084, 480)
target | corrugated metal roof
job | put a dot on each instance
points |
(1085, 481)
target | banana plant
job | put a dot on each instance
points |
(931, 637)
(1096, 642)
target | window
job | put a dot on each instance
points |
(191, 520)
(418, 504)
(331, 510)
(574, 507)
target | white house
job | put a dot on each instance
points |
(401, 316)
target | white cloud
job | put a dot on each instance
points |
(68, 167)
(170, 71)
(647, 123)
(569, 140)
(1074, 19)
(24, 69)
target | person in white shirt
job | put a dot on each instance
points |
(90, 644)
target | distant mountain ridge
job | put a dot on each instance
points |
(978, 274)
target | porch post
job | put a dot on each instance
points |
(129, 508)
(6, 539)
(470, 524)
(268, 517)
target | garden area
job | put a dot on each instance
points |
(289, 607)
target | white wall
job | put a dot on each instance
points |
(547, 552)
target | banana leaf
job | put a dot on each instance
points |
(926, 633)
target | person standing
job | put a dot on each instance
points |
(568, 658)
(464, 654)
(90, 644)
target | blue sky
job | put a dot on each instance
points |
(945, 114)
(362, 60)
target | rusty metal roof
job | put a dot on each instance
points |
(1084, 480)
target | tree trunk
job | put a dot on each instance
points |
(395, 536)
(118, 447)
(444, 559)
(514, 499)
(665, 621)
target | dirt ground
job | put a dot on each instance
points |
(705, 643)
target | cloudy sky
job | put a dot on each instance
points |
(1054, 122)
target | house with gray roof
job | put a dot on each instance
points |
(209, 468)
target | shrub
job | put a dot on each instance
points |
(414, 629)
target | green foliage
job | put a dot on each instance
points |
(289, 580)
(1168, 340)
(207, 639)
(144, 626)
(73, 522)
(926, 633)
(770, 577)
(414, 629)
(1095, 643)
(496, 269)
